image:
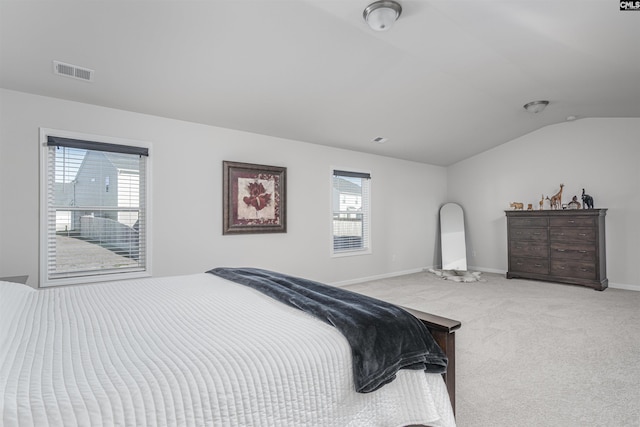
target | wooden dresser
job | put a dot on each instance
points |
(566, 246)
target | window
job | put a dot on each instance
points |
(94, 209)
(350, 212)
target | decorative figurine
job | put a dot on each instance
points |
(587, 200)
(529, 207)
(574, 203)
(541, 202)
(517, 206)
(556, 199)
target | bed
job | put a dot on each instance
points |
(195, 350)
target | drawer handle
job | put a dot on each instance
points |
(583, 252)
(561, 268)
(582, 234)
(560, 234)
(571, 221)
(584, 269)
(538, 265)
(518, 263)
(561, 250)
(536, 234)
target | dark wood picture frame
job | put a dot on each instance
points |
(254, 198)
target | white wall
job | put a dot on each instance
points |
(600, 155)
(187, 221)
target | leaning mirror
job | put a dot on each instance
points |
(452, 238)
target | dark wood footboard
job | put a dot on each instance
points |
(444, 332)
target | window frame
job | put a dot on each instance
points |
(44, 279)
(366, 211)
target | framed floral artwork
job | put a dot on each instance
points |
(254, 198)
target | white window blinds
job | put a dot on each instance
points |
(96, 218)
(351, 222)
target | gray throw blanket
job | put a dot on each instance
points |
(383, 337)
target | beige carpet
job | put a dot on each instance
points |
(532, 353)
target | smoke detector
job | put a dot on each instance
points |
(73, 71)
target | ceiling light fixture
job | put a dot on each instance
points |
(381, 15)
(536, 106)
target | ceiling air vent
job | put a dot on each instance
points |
(73, 71)
(379, 140)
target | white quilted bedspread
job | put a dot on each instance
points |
(187, 351)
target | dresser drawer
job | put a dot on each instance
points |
(528, 222)
(529, 234)
(520, 248)
(578, 234)
(529, 265)
(569, 268)
(578, 252)
(572, 222)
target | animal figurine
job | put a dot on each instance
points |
(587, 200)
(529, 207)
(574, 203)
(517, 206)
(556, 199)
(541, 202)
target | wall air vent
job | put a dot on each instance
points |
(73, 71)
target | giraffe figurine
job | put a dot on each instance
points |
(556, 199)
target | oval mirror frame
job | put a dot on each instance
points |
(452, 237)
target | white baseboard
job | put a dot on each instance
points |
(611, 285)
(470, 268)
(624, 286)
(377, 277)
(402, 273)
(485, 270)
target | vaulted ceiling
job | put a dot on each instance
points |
(447, 81)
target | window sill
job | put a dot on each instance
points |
(354, 252)
(85, 280)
